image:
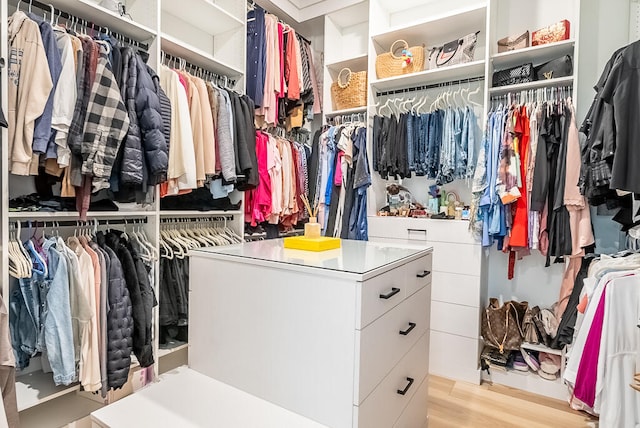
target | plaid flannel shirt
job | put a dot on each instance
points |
(106, 125)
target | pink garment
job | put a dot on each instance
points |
(282, 88)
(262, 194)
(579, 213)
(585, 389)
(183, 81)
(566, 288)
(337, 176)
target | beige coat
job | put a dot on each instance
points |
(29, 87)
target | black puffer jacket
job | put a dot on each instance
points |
(131, 172)
(149, 111)
(145, 352)
(119, 322)
(141, 346)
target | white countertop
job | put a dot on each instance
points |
(187, 399)
(354, 257)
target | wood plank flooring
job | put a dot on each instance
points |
(457, 404)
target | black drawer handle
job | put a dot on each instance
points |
(390, 294)
(412, 325)
(406, 388)
(424, 273)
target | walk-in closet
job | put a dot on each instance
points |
(288, 213)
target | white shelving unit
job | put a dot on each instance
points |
(345, 46)
(210, 34)
(461, 288)
(431, 77)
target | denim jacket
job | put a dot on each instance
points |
(58, 333)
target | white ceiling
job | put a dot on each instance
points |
(301, 4)
(304, 10)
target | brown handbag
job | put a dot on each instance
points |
(502, 325)
(511, 43)
(389, 64)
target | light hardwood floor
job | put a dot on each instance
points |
(457, 404)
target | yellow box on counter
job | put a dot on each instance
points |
(322, 243)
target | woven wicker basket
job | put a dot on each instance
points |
(389, 64)
(351, 93)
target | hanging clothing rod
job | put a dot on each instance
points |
(252, 4)
(78, 223)
(549, 89)
(433, 86)
(87, 24)
(183, 62)
(205, 218)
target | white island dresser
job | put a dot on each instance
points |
(340, 337)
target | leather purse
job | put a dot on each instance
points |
(551, 34)
(512, 43)
(502, 325)
(559, 67)
(455, 52)
(515, 75)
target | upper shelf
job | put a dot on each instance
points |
(38, 387)
(197, 56)
(347, 111)
(203, 14)
(438, 29)
(551, 83)
(91, 11)
(355, 63)
(535, 54)
(350, 16)
(430, 77)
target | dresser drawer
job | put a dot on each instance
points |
(385, 341)
(416, 413)
(419, 274)
(457, 357)
(457, 258)
(455, 319)
(455, 288)
(385, 404)
(412, 229)
(380, 294)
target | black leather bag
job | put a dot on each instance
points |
(513, 76)
(559, 67)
